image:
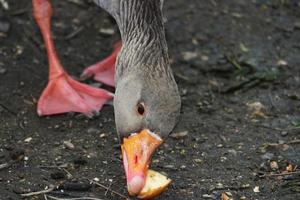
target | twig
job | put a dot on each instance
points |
(297, 141)
(280, 174)
(8, 164)
(20, 12)
(78, 3)
(234, 63)
(183, 77)
(279, 129)
(69, 175)
(272, 103)
(50, 189)
(53, 166)
(8, 110)
(107, 188)
(4, 165)
(78, 198)
(74, 33)
(36, 46)
(293, 142)
(242, 187)
(60, 167)
(251, 82)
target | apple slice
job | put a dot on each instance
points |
(155, 184)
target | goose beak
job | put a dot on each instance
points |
(137, 151)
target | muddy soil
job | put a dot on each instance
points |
(237, 64)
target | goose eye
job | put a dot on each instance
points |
(141, 108)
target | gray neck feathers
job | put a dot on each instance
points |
(142, 31)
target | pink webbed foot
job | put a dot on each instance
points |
(63, 94)
(104, 71)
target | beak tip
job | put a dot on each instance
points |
(135, 185)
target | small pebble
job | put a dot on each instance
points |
(232, 152)
(27, 140)
(229, 194)
(219, 186)
(208, 196)
(223, 159)
(274, 165)
(2, 70)
(107, 31)
(188, 55)
(179, 135)
(267, 156)
(282, 63)
(4, 4)
(256, 189)
(96, 179)
(92, 131)
(284, 133)
(69, 145)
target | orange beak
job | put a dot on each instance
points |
(137, 151)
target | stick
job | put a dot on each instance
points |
(8, 164)
(107, 188)
(78, 198)
(8, 110)
(78, 3)
(280, 174)
(277, 144)
(242, 187)
(280, 129)
(74, 33)
(234, 63)
(4, 165)
(50, 189)
(60, 167)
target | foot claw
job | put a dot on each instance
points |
(84, 76)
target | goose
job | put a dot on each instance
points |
(146, 94)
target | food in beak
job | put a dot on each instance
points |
(156, 183)
(137, 151)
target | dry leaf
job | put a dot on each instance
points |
(224, 196)
(257, 109)
(290, 168)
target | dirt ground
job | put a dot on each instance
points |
(237, 63)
